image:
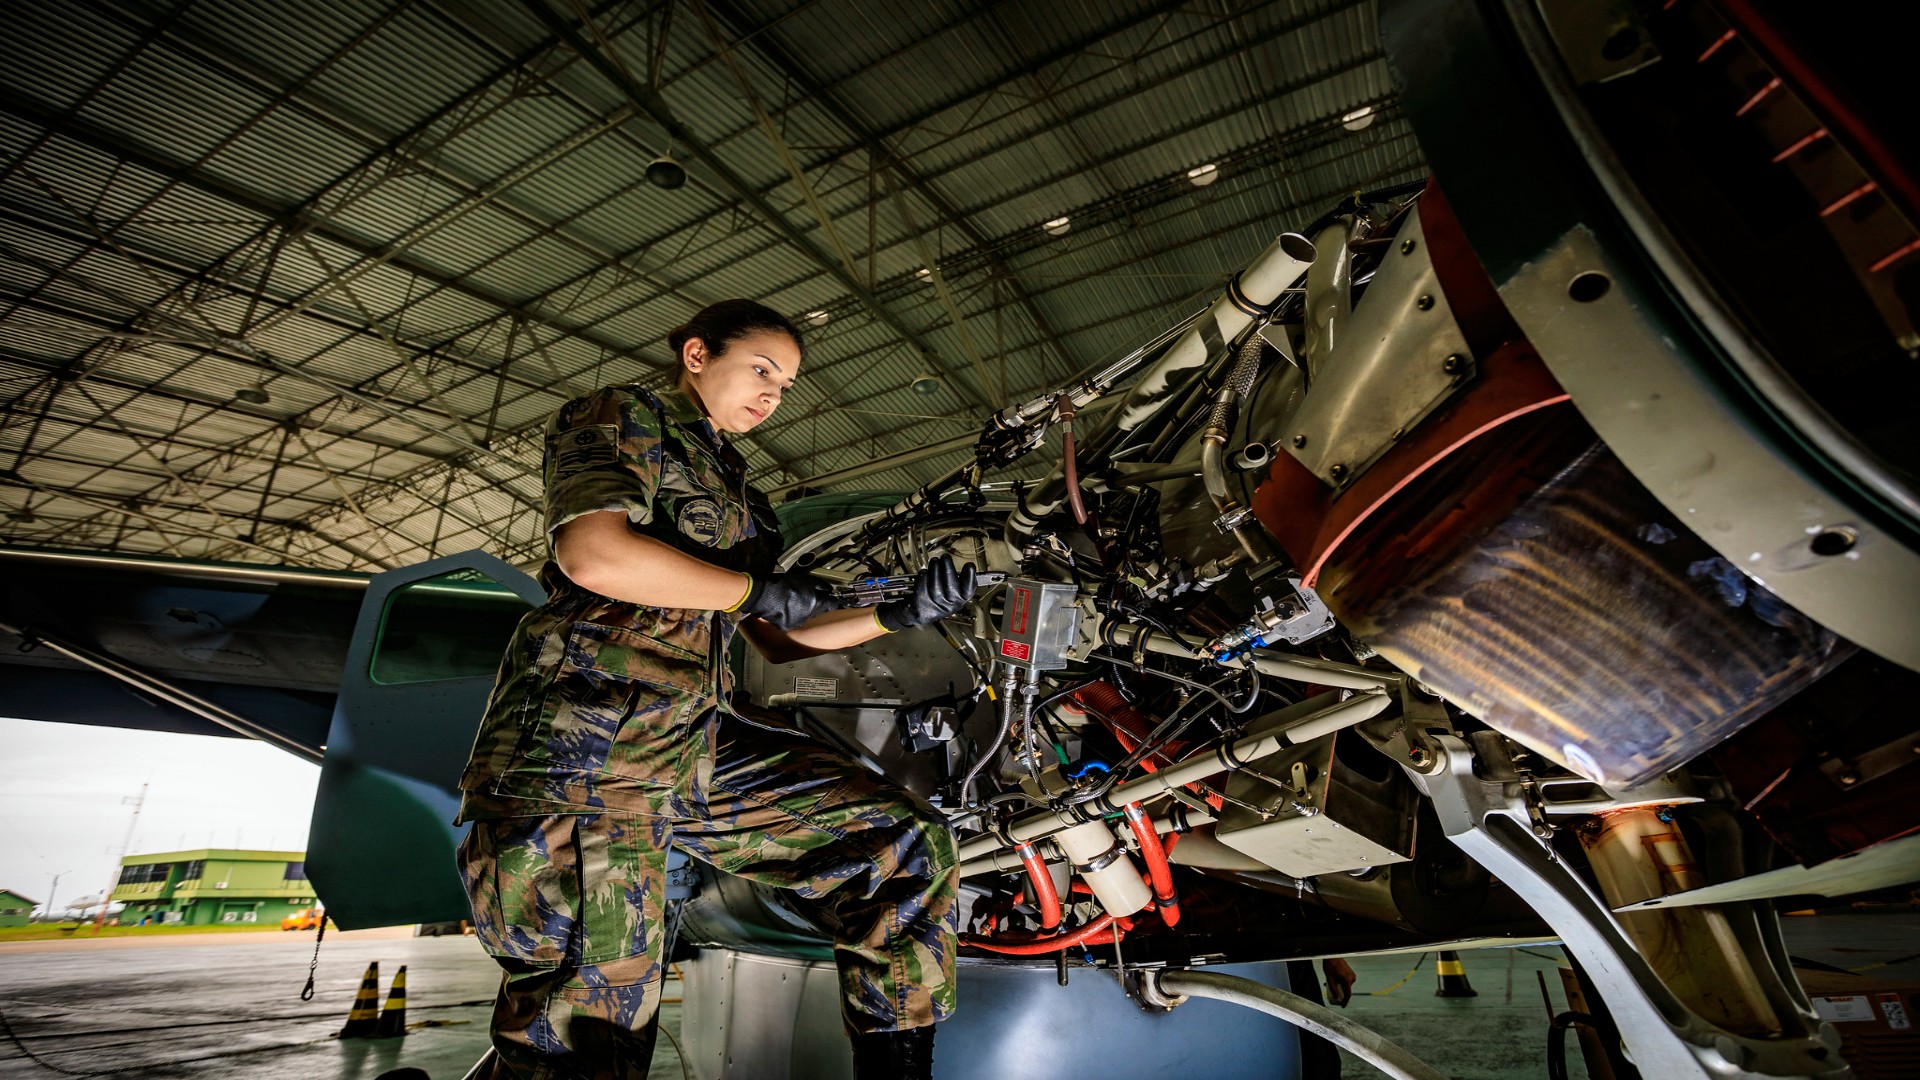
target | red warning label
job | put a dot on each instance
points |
(1016, 649)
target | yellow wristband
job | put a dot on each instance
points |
(735, 606)
(876, 620)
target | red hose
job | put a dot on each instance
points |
(1044, 896)
(1057, 942)
(1158, 872)
(1128, 724)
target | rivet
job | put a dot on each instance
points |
(1425, 303)
(1406, 247)
(1849, 778)
(1454, 364)
(1337, 471)
(1299, 441)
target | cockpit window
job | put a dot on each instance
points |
(454, 626)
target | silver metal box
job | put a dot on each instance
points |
(1325, 819)
(1039, 624)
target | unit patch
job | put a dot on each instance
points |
(700, 521)
(584, 448)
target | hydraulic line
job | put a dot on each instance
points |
(1289, 727)
(1045, 897)
(1364, 1042)
(1009, 694)
(1306, 669)
(1043, 946)
(1070, 462)
(1164, 898)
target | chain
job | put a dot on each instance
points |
(306, 992)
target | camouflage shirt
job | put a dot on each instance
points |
(602, 704)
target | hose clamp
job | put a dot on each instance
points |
(1101, 861)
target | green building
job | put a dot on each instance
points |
(213, 886)
(15, 910)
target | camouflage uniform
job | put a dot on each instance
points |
(609, 738)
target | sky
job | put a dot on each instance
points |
(65, 792)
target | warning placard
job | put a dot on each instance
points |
(1839, 1010)
(822, 689)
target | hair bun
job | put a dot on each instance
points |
(721, 324)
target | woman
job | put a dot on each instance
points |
(609, 737)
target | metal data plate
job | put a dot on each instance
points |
(1403, 354)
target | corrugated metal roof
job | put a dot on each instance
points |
(420, 226)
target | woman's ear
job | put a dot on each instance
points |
(693, 355)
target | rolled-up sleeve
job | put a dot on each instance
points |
(603, 453)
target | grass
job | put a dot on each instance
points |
(63, 931)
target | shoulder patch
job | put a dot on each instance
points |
(584, 448)
(700, 521)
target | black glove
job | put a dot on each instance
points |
(938, 591)
(786, 600)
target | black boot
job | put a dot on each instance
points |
(893, 1055)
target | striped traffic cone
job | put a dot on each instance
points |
(393, 1018)
(366, 1006)
(1453, 977)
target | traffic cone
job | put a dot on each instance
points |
(1453, 977)
(366, 1006)
(393, 1018)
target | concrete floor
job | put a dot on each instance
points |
(211, 1007)
(216, 1007)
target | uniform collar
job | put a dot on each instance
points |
(687, 414)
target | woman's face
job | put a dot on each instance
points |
(741, 387)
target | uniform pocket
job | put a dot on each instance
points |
(522, 877)
(622, 704)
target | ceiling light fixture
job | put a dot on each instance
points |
(664, 172)
(924, 272)
(253, 395)
(1202, 175)
(1359, 119)
(927, 383)
(817, 318)
(1058, 226)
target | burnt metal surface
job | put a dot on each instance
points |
(1538, 586)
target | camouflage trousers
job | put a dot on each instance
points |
(572, 905)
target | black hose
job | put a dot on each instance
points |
(1557, 1042)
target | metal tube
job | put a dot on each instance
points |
(1009, 686)
(1329, 295)
(1305, 669)
(1388, 1057)
(1213, 444)
(1341, 714)
(1248, 294)
(28, 558)
(169, 693)
(1639, 854)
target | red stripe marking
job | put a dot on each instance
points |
(1894, 256)
(1772, 85)
(1800, 144)
(1715, 47)
(1848, 197)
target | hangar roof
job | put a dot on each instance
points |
(298, 282)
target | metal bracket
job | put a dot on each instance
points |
(1490, 822)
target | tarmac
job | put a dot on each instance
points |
(210, 1007)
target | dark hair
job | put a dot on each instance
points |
(721, 324)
